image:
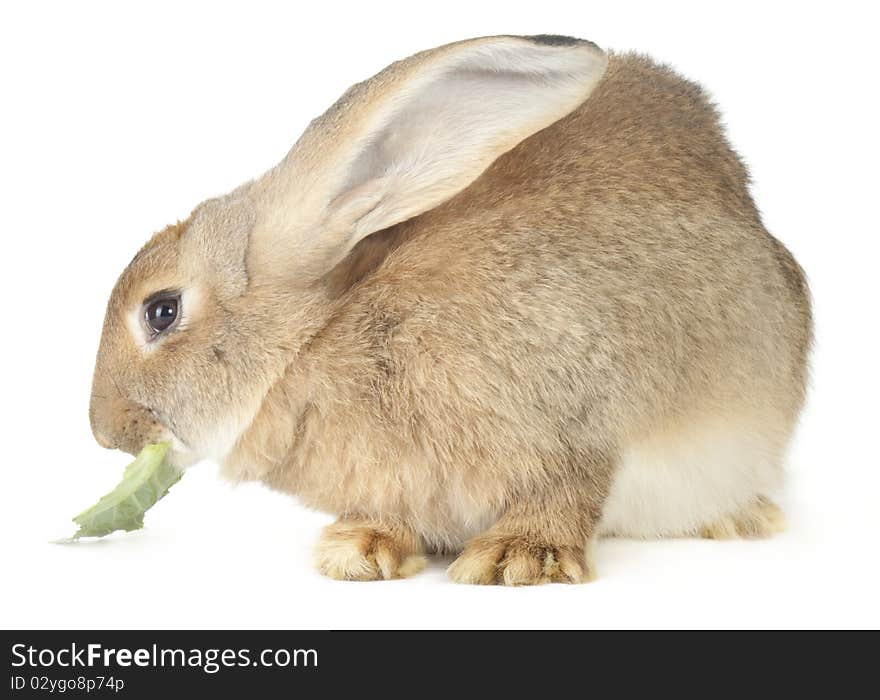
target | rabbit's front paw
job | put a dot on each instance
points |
(358, 551)
(515, 560)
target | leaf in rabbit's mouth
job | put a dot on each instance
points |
(145, 481)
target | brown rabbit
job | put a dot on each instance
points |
(506, 296)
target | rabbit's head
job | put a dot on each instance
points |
(212, 310)
(180, 350)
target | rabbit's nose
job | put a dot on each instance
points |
(99, 412)
(103, 440)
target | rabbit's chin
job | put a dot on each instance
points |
(180, 457)
(184, 455)
(216, 441)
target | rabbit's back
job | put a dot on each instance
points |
(624, 236)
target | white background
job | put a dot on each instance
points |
(115, 121)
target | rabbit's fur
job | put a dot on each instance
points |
(565, 320)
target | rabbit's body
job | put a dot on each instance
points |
(491, 350)
(596, 336)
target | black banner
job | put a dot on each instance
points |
(135, 664)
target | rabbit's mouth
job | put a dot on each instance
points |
(167, 422)
(181, 454)
(123, 424)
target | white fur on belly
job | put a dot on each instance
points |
(677, 482)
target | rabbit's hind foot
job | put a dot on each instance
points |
(759, 520)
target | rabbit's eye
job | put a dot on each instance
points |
(160, 314)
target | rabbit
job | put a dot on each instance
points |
(506, 297)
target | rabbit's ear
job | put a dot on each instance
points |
(410, 138)
(215, 242)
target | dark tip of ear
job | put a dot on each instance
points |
(554, 40)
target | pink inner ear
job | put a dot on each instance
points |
(408, 140)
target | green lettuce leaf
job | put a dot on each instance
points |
(145, 481)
